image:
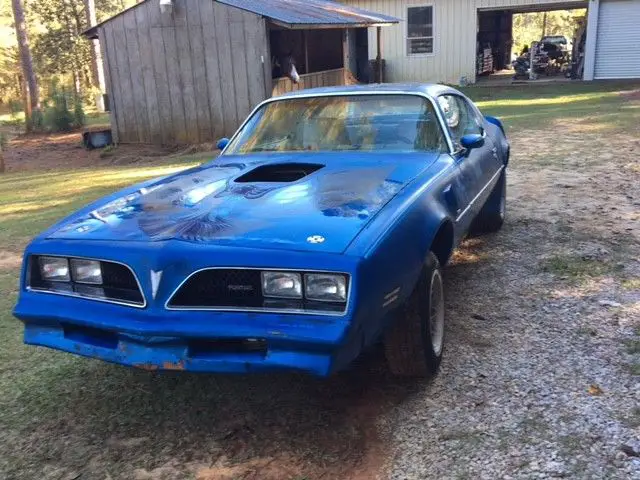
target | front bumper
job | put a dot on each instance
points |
(157, 339)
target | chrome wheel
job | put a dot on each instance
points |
(436, 314)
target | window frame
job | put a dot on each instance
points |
(442, 123)
(433, 31)
(473, 110)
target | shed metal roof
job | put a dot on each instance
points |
(296, 14)
(312, 13)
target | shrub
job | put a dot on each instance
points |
(16, 107)
(79, 117)
(57, 117)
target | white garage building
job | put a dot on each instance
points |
(436, 39)
(613, 40)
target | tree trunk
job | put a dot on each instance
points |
(27, 61)
(97, 70)
(2, 167)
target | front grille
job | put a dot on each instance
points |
(220, 289)
(119, 284)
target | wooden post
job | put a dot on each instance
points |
(532, 56)
(2, 167)
(379, 57)
(305, 41)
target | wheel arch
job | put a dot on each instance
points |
(443, 241)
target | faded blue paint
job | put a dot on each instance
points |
(205, 204)
(379, 213)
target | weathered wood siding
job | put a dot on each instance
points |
(455, 23)
(328, 78)
(187, 77)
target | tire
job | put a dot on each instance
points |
(414, 343)
(491, 217)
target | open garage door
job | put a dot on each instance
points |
(618, 38)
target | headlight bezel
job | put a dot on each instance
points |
(297, 294)
(74, 271)
(42, 261)
(121, 285)
(342, 284)
(305, 276)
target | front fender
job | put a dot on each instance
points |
(392, 260)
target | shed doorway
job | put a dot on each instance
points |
(321, 57)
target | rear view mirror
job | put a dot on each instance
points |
(222, 143)
(472, 140)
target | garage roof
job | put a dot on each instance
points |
(296, 14)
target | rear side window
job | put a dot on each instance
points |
(460, 116)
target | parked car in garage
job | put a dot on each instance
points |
(322, 228)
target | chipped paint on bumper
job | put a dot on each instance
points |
(154, 339)
(174, 355)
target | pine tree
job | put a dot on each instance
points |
(32, 108)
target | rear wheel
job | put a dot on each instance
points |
(491, 217)
(415, 342)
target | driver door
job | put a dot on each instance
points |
(477, 166)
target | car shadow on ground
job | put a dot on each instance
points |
(280, 426)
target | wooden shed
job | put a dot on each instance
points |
(190, 71)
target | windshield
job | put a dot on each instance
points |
(404, 123)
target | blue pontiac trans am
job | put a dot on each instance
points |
(320, 230)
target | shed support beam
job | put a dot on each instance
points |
(379, 56)
(590, 43)
(305, 41)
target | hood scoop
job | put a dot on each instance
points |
(279, 173)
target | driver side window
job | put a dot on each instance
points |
(461, 118)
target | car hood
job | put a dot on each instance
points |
(322, 211)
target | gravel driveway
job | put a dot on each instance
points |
(541, 375)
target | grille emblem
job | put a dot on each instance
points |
(315, 239)
(240, 288)
(155, 282)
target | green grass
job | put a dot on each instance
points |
(596, 104)
(633, 346)
(97, 118)
(631, 284)
(576, 268)
(92, 118)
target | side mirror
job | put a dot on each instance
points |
(472, 140)
(222, 143)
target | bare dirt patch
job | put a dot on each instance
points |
(56, 151)
(9, 260)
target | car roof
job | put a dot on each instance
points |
(430, 89)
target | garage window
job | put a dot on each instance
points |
(420, 30)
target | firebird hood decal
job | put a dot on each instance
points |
(205, 204)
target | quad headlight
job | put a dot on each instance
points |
(282, 284)
(324, 287)
(82, 277)
(86, 271)
(315, 287)
(54, 269)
